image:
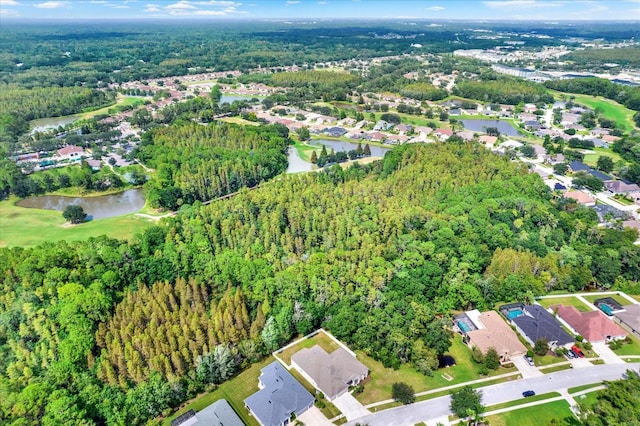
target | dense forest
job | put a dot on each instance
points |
(199, 163)
(589, 58)
(504, 90)
(106, 331)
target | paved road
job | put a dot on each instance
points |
(496, 394)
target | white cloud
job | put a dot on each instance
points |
(523, 4)
(9, 3)
(52, 5)
(435, 8)
(181, 5)
(152, 8)
(322, 2)
(290, 2)
(210, 13)
(9, 13)
(118, 6)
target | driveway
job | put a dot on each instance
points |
(524, 368)
(350, 407)
(425, 411)
(313, 417)
(606, 354)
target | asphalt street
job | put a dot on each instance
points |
(409, 415)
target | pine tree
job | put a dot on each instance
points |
(314, 157)
(367, 150)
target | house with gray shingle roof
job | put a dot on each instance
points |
(536, 323)
(280, 396)
(331, 374)
(219, 413)
(629, 318)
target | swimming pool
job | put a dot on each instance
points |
(514, 313)
(463, 326)
(606, 309)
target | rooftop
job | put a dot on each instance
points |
(593, 326)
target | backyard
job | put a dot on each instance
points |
(321, 339)
(567, 301)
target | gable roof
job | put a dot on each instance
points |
(537, 323)
(70, 149)
(593, 326)
(630, 316)
(281, 395)
(333, 372)
(580, 197)
(497, 334)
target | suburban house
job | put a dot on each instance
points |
(629, 318)
(491, 331)
(594, 326)
(220, 413)
(383, 125)
(607, 213)
(577, 166)
(535, 323)
(488, 140)
(581, 197)
(443, 134)
(280, 396)
(554, 159)
(335, 132)
(70, 152)
(331, 374)
(621, 187)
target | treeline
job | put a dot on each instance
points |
(379, 254)
(623, 56)
(324, 80)
(50, 101)
(200, 163)
(629, 148)
(626, 95)
(423, 92)
(503, 90)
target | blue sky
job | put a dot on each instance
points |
(548, 10)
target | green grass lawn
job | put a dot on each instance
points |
(120, 101)
(320, 339)
(588, 399)
(517, 402)
(612, 110)
(535, 416)
(305, 150)
(632, 348)
(544, 360)
(556, 368)
(381, 378)
(583, 387)
(235, 391)
(567, 301)
(239, 120)
(20, 226)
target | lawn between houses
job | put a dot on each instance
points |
(567, 301)
(20, 226)
(558, 412)
(378, 388)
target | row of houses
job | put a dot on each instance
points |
(488, 330)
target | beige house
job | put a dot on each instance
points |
(331, 374)
(494, 332)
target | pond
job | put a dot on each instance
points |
(101, 207)
(296, 163)
(338, 146)
(229, 98)
(504, 127)
(44, 124)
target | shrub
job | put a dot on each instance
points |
(403, 393)
(579, 338)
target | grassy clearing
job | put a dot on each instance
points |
(305, 150)
(537, 415)
(235, 391)
(517, 402)
(588, 399)
(632, 348)
(239, 120)
(379, 387)
(567, 301)
(24, 227)
(320, 339)
(612, 110)
(621, 300)
(120, 101)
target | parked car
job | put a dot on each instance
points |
(571, 355)
(528, 393)
(530, 361)
(576, 350)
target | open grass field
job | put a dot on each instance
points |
(567, 301)
(612, 110)
(320, 339)
(235, 391)
(535, 416)
(592, 159)
(239, 120)
(120, 101)
(24, 227)
(379, 387)
(305, 150)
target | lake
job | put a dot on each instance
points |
(44, 124)
(504, 127)
(376, 151)
(101, 207)
(229, 98)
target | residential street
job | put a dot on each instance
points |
(496, 394)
